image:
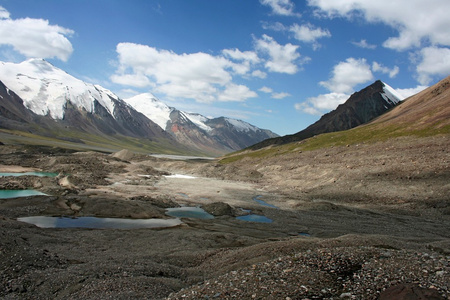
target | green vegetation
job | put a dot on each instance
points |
(72, 139)
(370, 133)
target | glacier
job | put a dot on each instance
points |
(45, 89)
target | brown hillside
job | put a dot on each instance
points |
(429, 109)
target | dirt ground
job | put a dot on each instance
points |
(357, 222)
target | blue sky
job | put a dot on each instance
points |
(277, 64)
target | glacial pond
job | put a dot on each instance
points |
(262, 202)
(255, 218)
(39, 174)
(99, 223)
(189, 212)
(6, 194)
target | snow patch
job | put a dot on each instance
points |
(390, 95)
(46, 89)
(198, 120)
(241, 125)
(152, 108)
(180, 176)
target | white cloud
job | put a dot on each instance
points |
(411, 91)
(281, 58)
(259, 74)
(281, 95)
(281, 7)
(266, 90)
(322, 103)
(364, 44)
(376, 67)
(199, 76)
(246, 59)
(277, 26)
(4, 14)
(347, 74)
(435, 62)
(415, 20)
(236, 54)
(35, 37)
(307, 33)
(235, 92)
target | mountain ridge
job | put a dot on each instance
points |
(360, 108)
(50, 94)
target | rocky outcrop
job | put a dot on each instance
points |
(360, 108)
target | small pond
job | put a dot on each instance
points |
(99, 223)
(6, 194)
(189, 212)
(262, 202)
(255, 218)
(40, 174)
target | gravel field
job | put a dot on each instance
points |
(367, 221)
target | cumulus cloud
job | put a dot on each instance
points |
(281, 95)
(322, 103)
(259, 74)
(411, 91)
(246, 59)
(281, 7)
(434, 62)
(308, 33)
(235, 92)
(411, 18)
(347, 74)
(35, 37)
(199, 76)
(344, 77)
(282, 59)
(266, 90)
(364, 44)
(377, 67)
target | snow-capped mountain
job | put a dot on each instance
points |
(197, 130)
(37, 97)
(360, 108)
(46, 89)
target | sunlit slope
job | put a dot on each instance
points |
(424, 114)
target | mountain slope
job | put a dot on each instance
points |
(41, 99)
(218, 135)
(360, 108)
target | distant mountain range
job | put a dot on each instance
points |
(40, 99)
(360, 108)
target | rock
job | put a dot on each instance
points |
(219, 209)
(124, 155)
(410, 292)
(65, 183)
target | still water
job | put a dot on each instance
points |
(99, 223)
(6, 194)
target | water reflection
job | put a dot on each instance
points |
(255, 218)
(99, 223)
(6, 194)
(189, 212)
(262, 202)
(40, 174)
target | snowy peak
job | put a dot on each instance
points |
(45, 89)
(152, 108)
(241, 126)
(390, 95)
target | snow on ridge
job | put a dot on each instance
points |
(152, 108)
(198, 120)
(390, 95)
(45, 89)
(241, 125)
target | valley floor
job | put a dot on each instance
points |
(367, 221)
